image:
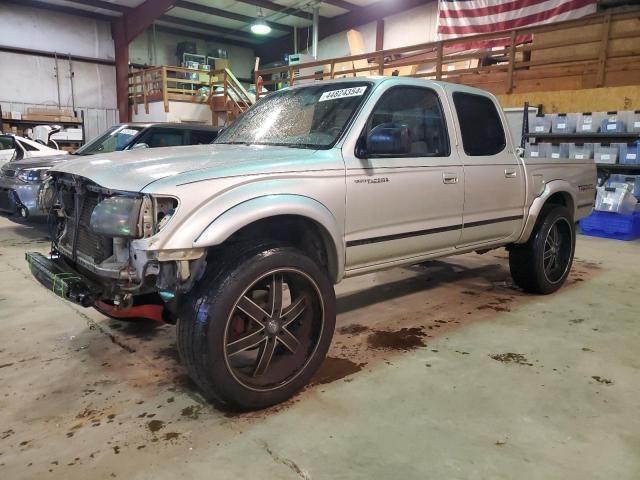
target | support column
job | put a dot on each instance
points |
(122, 68)
(124, 29)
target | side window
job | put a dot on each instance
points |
(27, 147)
(418, 108)
(202, 137)
(6, 143)
(163, 137)
(480, 124)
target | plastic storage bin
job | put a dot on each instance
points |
(613, 123)
(630, 154)
(589, 122)
(537, 150)
(564, 123)
(633, 122)
(606, 153)
(632, 180)
(541, 124)
(616, 198)
(611, 225)
(579, 151)
(559, 150)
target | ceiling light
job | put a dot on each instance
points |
(260, 27)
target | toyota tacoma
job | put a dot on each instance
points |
(241, 242)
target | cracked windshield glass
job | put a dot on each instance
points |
(305, 117)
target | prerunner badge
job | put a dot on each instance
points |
(343, 93)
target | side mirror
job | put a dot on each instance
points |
(140, 146)
(388, 139)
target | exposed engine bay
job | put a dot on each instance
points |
(99, 233)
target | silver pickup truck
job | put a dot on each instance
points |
(241, 242)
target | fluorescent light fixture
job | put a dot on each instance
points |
(260, 27)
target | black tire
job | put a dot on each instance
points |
(217, 338)
(543, 263)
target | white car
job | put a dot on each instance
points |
(12, 146)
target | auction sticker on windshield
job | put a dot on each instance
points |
(342, 93)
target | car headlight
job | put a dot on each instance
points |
(33, 174)
(118, 217)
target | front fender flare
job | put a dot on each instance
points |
(250, 211)
(551, 188)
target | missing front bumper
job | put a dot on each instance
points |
(55, 275)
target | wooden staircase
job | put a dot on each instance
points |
(228, 99)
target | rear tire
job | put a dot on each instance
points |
(543, 263)
(257, 326)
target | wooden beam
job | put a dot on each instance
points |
(218, 12)
(274, 7)
(204, 36)
(380, 35)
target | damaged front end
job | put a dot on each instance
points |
(100, 249)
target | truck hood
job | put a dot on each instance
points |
(36, 162)
(134, 170)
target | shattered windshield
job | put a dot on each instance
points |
(305, 117)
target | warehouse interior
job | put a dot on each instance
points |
(454, 353)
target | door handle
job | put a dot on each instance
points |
(449, 178)
(510, 173)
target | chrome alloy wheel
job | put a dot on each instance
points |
(274, 329)
(557, 250)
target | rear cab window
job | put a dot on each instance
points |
(480, 125)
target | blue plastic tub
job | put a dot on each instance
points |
(611, 225)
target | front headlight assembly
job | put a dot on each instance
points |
(132, 217)
(118, 217)
(32, 175)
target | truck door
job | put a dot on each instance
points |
(403, 205)
(494, 193)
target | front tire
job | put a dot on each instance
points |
(543, 263)
(257, 326)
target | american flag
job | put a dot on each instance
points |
(472, 17)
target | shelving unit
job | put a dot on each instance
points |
(604, 169)
(33, 123)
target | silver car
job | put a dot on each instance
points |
(20, 179)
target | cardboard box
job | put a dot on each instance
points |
(6, 115)
(55, 112)
(50, 118)
(222, 63)
(16, 115)
(6, 128)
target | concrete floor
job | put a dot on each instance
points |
(439, 371)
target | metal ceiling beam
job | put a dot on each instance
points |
(363, 15)
(113, 7)
(204, 36)
(218, 12)
(61, 9)
(274, 7)
(342, 4)
(272, 49)
(185, 22)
